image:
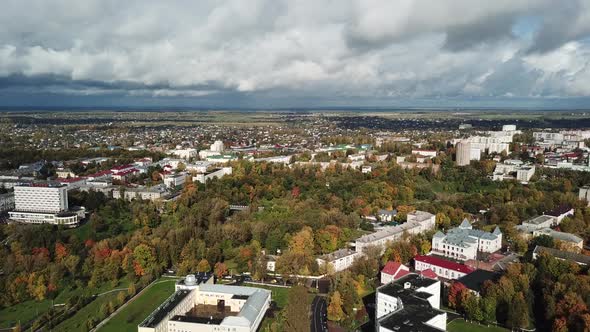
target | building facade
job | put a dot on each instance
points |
(464, 242)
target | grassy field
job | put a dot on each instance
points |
(24, 312)
(78, 321)
(460, 325)
(128, 318)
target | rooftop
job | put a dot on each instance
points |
(539, 220)
(475, 279)
(444, 263)
(160, 313)
(565, 255)
(338, 254)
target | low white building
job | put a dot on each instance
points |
(175, 180)
(185, 154)
(411, 303)
(366, 169)
(338, 260)
(200, 306)
(463, 242)
(214, 174)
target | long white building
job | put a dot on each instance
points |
(411, 303)
(201, 306)
(417, 222)
(338, 260)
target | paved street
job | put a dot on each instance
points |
(319, 315)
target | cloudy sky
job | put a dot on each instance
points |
(288, 53)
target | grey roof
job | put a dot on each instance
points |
(438, 234)
(465, 224)
(497, 231)
(464, 237)
(565, 255)
(561, 236)
(539, 220)
(338, 254)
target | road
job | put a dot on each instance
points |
(319, 315)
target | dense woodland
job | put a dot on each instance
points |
(302, 212)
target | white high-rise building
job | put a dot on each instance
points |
(463, 153)
(44, 204)
(41, 198)
(217, 146)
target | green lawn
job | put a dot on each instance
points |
(24, 312)
(460, 325)
(78, 321)
(279, 294)
(128, 318)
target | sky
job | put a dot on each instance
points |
(288, 53)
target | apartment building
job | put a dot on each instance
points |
(463, 242)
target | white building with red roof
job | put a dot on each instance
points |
(443, 268)
(393, 271)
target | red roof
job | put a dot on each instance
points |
(445, 264)
(99, 174)
(68, 180)
(428, 273)
(116, 168)
(391, 267)
(129, 171)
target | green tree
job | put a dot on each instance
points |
(518, 315)
(488, 309)
(472, 308)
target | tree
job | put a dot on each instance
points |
(455, 295)
(203, 266)
(220, 269)
(518, 315)
(472, 308)
(488, 309)
(335, 312)
(144, 259)
(296, 310)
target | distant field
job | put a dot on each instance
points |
(460, 325)
(136, 311)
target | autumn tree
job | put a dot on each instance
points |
(296, 310)
(220, 269)
(203, 266)
(335, 312)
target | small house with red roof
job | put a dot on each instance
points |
(392, 271)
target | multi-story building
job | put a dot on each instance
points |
(464, 242)
(201, 306)
(338, 260)
(463, 153)
(44, 203)
(417, 222)
(411, 303)
(443, 268)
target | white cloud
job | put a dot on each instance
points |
(406, 48)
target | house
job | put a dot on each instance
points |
(443, 268)
(464, 242)
(393, 271)
(338, 260)
(411, 303)
(561, 212)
